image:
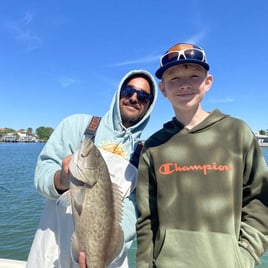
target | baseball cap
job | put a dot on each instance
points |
(182, 53)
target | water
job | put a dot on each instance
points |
(21, 206)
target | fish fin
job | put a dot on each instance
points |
(117, 235)
(118, 201)
(65, 199)
(116, 244)
(75, 248)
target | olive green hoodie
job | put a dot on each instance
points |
(202, 196)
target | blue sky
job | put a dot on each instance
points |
(59, 57)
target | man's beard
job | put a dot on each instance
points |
(130, 120)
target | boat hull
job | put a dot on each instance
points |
(8, 263)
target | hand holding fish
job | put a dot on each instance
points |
(61, 177)
(82, 260)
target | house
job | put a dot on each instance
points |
(22, 135)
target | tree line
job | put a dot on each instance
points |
(42, 133)
(263, 132)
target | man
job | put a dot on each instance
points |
(202, 188)
(118, 134)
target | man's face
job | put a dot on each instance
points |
(132, 109)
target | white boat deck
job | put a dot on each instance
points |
(7, 263)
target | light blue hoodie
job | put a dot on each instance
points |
(111, 135)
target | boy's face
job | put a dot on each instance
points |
(185, 85)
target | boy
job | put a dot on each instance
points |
(202, 189)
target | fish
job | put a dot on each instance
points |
(96, 207)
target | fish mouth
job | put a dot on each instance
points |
(76, 181)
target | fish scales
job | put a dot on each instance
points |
(96, 208)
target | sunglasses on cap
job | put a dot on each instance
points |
(183, 54)
(142, 96)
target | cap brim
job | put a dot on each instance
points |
(162, 69)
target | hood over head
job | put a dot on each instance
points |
(111, 127)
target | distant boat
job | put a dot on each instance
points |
(8, 263)
(264, 144)
(262, 140)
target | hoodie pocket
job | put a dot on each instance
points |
(187, 249)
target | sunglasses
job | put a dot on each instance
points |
(142, 96)
(186, 54)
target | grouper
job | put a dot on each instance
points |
(96, 207)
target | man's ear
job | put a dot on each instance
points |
(162, 88)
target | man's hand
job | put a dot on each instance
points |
(82, 260)
(61, 177)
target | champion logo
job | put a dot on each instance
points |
(169, 168)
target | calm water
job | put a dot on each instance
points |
(21, 206)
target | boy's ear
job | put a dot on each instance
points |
(162, 88)
(209, 81)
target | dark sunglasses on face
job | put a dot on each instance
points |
(142, 96)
